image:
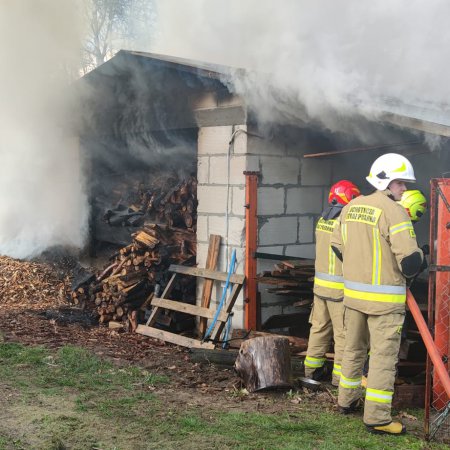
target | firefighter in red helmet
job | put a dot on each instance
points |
(327, 313)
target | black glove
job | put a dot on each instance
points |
(425, 249)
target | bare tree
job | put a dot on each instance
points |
(113, 24)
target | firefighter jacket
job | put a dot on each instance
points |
(328, 280)
(374, 234)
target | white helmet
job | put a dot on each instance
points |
(389, 167)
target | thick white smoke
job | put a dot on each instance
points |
(336, 58)
(42, 202)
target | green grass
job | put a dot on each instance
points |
(73, 399)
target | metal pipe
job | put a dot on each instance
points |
(360, 149)
(433, 352)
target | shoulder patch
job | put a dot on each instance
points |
(364, 214)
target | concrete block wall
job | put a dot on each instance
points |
(221, 199)
(292, 192)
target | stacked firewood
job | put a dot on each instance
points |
(166, 200)
(125, 285)
(290, 278)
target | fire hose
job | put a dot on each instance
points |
(433, 352)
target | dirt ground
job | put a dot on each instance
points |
(30, 317)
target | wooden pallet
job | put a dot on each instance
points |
(164, 303)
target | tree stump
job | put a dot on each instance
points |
(264, 362)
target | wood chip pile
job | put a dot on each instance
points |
(29, 285)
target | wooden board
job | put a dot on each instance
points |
(172, 337)
(204, 273)
(189, 309)
(211, 264)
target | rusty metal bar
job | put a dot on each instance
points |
(251, 241)
(360, 149)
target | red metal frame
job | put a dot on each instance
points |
(251, 239)
(436, 388)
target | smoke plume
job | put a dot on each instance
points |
(42, 202)
(336, 59)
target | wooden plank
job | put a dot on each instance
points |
(189, 309)
(172, 337)
(218, 328)
(211, 264)
(204, 273)
(155, 311)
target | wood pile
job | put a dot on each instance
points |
(166, 200)
(124, 287)
(293, 278)
(30, 285)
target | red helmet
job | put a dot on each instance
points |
(342, 192)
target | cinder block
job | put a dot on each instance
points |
(315, 172)
(270, 201)
(304, 200)
(253, 163)
(278, 170)
(238, 201)
(202, 228)
(238, 164)
(203, 170)
(302, 250)
(202, 253)
(279, 230)
(240, 140)
(218, 168)
(212, 199)
(305, 229)
(265, 146)
(214, 140)
(236, 229)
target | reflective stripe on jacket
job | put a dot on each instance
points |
(374, 234)
(328, 280)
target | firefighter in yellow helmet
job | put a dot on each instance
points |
(376, 241)
(327, 313)
(415, 204)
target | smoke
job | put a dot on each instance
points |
(336, 59)
(42, 202)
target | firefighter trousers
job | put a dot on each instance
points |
(382, 334)
(327, 323)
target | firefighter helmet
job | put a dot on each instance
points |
(342, 192)
(389, 167)
(415, 204)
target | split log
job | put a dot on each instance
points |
(264, 363)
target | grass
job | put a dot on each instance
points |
(72, 399)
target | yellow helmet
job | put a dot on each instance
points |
(415, 204)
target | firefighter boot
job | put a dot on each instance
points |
(394, 428)
(354, 407)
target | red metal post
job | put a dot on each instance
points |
(431, 285)
(251, 239)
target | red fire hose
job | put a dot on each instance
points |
(435, 357)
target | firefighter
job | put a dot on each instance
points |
(327, 313)
(415, 204)
(376, 241)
